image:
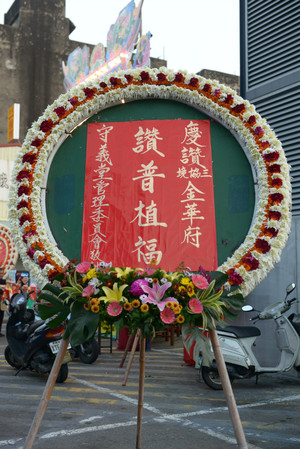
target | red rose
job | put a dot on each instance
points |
(179, 78)
(161, 77)
(44, 262)
(276, 197)
(271, 157)
(274, 215)
(259, 131)
(274, 168)
(271, 232)
(262, 246)
(234, 278)
(206, 88)
(89, 93)
(265, 144)
(30, 253)
(239, 108)
(250, 262)
(252, 120)
(24, 217)
(145, 76)
(129, 78)
(60, 111)
(113, 81)
(194, 82)
(73, 101)
(23, 190)
(29, 157)
(22, 204)
(228, 99)
(46, 125)
(276, 182)
(36, 142)
(23, 174)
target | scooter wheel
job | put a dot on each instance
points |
(212, 379)
(63, 374)
(88, 352)
(9, 357)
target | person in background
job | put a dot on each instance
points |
(2, 282)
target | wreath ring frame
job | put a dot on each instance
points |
(270, 226)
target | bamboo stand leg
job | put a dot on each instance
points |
(232, 408)
(141, 393)
(126, 349)
(46, 395)
(136, 339)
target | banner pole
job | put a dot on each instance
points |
(129, 341)
(231, 404)
(46, 395)
(133, 349)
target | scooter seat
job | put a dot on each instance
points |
(240, 331)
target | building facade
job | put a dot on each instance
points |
(34, 41)
(270, 79)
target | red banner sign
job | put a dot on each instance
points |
(149, 194)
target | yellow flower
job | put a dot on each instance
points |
(180, 319)
(86, 306)
(170, 276)
(95, 301)
(135, 303)
(95, 308)
(185, 281)
(144, 308)
(114, 294)
(123, 273)
(182, 290)
(127, 305)
(190, 289)
(169, 304)
(91, 273)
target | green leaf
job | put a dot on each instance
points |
(82, 324)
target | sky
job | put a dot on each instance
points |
(190, 34)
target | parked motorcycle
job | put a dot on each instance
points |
(237, 342)
(87, 352)
(31, 343)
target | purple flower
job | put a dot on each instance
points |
(136, 287)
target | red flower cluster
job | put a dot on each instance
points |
(234, 278)
(274, 215)
(29, 157)
(250, 262)
(262, 246)
(60, 111)
(271, 157)
(89, 93)
(46, 126)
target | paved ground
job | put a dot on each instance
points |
(93, 410)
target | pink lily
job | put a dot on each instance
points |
(156, 293)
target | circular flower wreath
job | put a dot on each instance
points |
(11, 253)
(270, 227)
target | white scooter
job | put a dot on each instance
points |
(236, 343)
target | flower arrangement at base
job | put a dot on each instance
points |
(148, 299)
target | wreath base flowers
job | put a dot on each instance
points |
(145, 300)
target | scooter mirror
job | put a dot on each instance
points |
(247, 308)
(290, 288)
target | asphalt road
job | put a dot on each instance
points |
(93, 410)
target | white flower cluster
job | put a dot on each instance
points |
(22, 216)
